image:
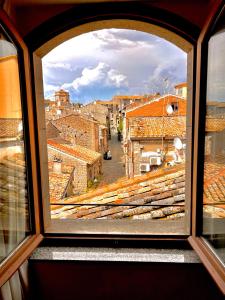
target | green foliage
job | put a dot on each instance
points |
(120, 127)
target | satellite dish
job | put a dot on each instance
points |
(178, 143)
(169, 109)
(20, 127)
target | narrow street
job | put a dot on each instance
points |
(113, 169)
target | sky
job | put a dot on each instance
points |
(109, 62)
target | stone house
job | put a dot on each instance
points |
(87, 164)
(79, 130)
(98, 111)
(149, 132)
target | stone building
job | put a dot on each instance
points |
(98, 111)
(79, 130)
(149, 133)
(87, 164)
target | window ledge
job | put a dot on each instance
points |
(115, 254)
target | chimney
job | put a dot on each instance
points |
(57, 165)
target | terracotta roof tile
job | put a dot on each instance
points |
(160, 188)
(157, 127)
(13, 187)
(157, 108)
(57, 185)
(180, 85)
(215, 124)
(9, 128)
(77, 151)
(214, 189)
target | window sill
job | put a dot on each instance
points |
(115, 254)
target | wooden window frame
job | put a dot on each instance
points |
(77, 26)
(12, 262)
(196, 240)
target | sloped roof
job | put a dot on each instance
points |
(157, 127)
(9, 127)
(57, 185)
(214, 189)
(164, 187)
(157, 108)
(13, 188)
(215, 124)
(51, 130)
(76, 151)
(72, 120)
(180, 85)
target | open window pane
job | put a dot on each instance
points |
(115, 112)
(214, 166)
(14, 220)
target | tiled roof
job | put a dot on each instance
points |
(104, 102)
(75, 121)
(13, 186)
(51, 130)
(9, 128)
(76, 151)
(214, 190)
(57, 185)
(164, 187)
(157, 127)
(215, 124)
(215, 103)
(180, 85)
(157, 108)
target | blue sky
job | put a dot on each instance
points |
(104, 63)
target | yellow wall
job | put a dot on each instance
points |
(10, 101)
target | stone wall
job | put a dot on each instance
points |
(80, 172)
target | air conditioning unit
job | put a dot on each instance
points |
(144, 167)
(155, 161)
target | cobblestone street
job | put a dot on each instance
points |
(113, 169)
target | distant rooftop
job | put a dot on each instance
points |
(76, 151)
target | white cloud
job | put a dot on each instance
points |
(101, 74)
(57, 65)
(103, 63)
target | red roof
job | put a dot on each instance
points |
(158, 107)
(77, 151)
(181, 85)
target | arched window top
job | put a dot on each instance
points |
(115, 23)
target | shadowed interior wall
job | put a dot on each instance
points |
(115, 280)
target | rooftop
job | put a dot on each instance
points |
(215, 124)
(76, 151)
(153, 127)
(163, 187)
(9, 127)
(157, 108)
(180, 85)
(57, 185)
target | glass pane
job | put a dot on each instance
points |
(116, 132)
(14, 220)
(214, 166)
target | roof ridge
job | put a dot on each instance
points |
(156, 100)
(115, 186)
